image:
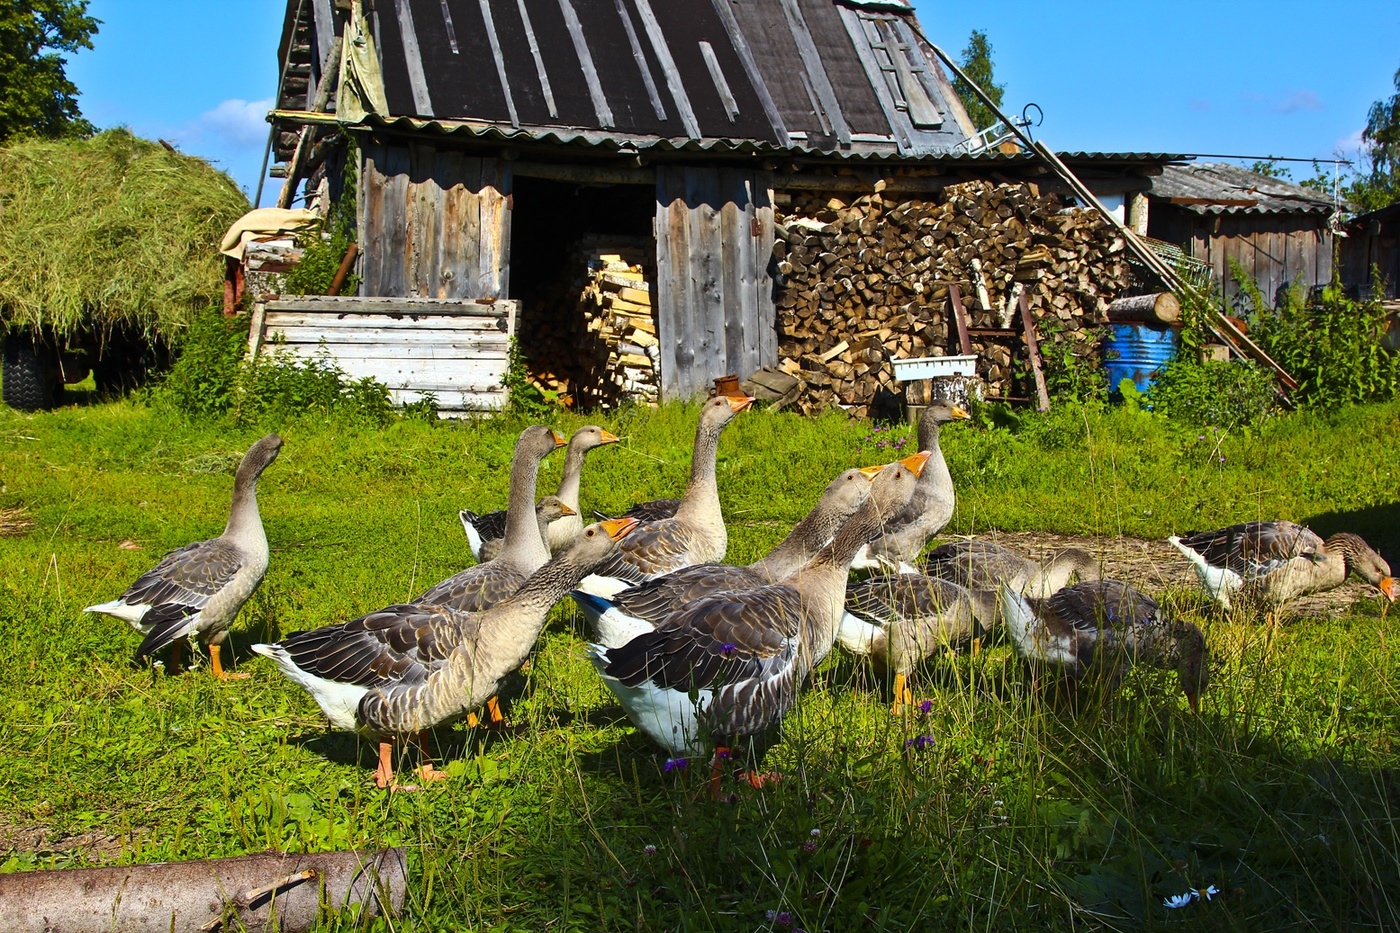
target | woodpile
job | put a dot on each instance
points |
(593, 343)
(867, 278)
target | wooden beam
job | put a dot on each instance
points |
(1033, 352)
(960, 316)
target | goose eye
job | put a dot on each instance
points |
(590, 532)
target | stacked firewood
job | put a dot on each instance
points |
(867, 278)
(592, 342)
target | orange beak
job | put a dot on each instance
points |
(740, 402)
(914, 463)
(619, 528)
(609, 437)
(872, 471)
(566, 510)
(559, 439)
(959, 412)
(1194, 700)
(1387, 586)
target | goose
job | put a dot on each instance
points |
(1270, 563)
(985, 565)
(481, 530)
(649, 511)
(624, 616)
(548, 509)
(898, 620)
(929, 510)
(523, 551)
(696, 533)
(407, 668)
(730, 665)
(1105, 628)
(199, 588)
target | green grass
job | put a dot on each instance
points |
(1019, 815)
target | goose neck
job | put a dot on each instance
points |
(244, 522)
(702, 491)
(522, 538)
(573, 471)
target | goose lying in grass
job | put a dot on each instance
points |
(1270, 563)
(730, 665)
(930, 509)
(632, 611)
(407, 668)
(523, 551)
(1104, 628)
(199, 588)
(898, 620)
(548, 509)
(696, 533)
(482, 530)
(985, 565)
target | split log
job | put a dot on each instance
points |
(271, 891)
(1161, 308)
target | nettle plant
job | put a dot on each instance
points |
(1331, 344)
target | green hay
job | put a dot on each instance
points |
(110, 230)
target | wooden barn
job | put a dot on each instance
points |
(1279, 233)
(1369, 255)
(622, 168)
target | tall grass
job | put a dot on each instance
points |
(1014, 812)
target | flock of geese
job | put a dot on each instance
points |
(699, 653)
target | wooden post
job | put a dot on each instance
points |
(346, 262)
(960, 316)
(1033, 351)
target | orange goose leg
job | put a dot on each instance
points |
(384, 774)
(493, 715)
(426, 771)
(219, 671)
(902, 695)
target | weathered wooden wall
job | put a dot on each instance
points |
(456, 350)
(433, 223)
(714, 293)
(1276, 250)
(1371, 250)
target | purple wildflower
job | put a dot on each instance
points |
(649, 849)
(919, 742)
(810, 846)
(926, 707)
(675, 764)
(1222, 458)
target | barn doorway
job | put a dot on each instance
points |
(582, 260)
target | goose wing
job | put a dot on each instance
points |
(1253, 549)
(476, 588)
(980, 564)
(656, 599)
(399, 644)
(186, 578)
(1098, 618)
(902, 596)
(654, 548)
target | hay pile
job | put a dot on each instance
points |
(108, 230)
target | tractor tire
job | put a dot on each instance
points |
(30, 377)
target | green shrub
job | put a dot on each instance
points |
(204, 380)
(1225, 395)
(323, 249)
(1332, 345)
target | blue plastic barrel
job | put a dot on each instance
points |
(1136, 352)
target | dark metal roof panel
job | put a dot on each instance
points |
(843, 68)
(1218, 188)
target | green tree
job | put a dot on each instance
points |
(977, 65)
(36, 97)
(1380, 140)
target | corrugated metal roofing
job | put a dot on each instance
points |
(851, 77)
(1218, 188)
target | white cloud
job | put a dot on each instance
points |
(1299, 100)
(1349, 144)
(234, 125)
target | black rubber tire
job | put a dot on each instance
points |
(30, 379)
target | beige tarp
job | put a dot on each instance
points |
(263, 223)
(361, 84)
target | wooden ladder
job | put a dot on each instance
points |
(1028, 332)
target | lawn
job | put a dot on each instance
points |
(1283, 793)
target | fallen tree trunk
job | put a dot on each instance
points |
(1161, 308)
(271, 891)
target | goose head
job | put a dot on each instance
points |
(893, 487)
(721, 409)
(552, 507)
(1362, 560)
(1069, 563)
(538, 440)
(258, 458)
(1192, 664)
(590, 436)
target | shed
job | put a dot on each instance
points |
(528, 149)
(1369, 255)
(1279, 233)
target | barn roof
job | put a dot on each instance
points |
(1218, 188)
(853, 78)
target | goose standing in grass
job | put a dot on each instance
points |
(407, 668)
(985, 565)
(632, 611)
(1270, 563)
(929, 510)
(199, 588)
(523, 551)
(900, 619)
(696, 533)
(1105, 628)
(481, 530)
(548, 509)
(732, 664)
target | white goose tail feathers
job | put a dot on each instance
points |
(117, 608)
(1020, 620)
(469, 518)
(606, 587)
(856, 635)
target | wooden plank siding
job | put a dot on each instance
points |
(433, 223)
(455, 349)
(714, 293)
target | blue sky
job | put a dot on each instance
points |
(1253, 78)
